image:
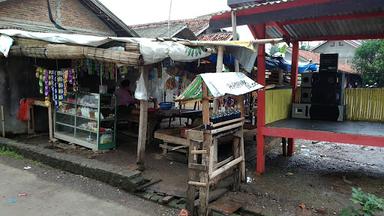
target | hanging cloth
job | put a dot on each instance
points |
(23, 112)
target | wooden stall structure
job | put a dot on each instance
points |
(310, 20)
(205, 170)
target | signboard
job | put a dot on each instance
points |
(220, 84)
(233, 83)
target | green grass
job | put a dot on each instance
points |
(5, 152)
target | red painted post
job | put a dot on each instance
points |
(260, 164)
(294, 73)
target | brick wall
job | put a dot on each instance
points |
(71, 14)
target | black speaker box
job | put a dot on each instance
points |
(327, 112)
(329, 63)
(306, 95)
(327, 88)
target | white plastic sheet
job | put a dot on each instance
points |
(234, 83)
(5, 44)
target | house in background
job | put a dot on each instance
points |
(345, 48)
(306, 56)
(68, 16)
(17, 74)
(190, 29)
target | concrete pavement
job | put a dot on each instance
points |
(43, 191)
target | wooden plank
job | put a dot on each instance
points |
(143, 123)
(196, 135)
(167, 137)
(229, 127)
(197, 184)
(221, 163)
(226, 167)
(199, 152)
(227, 122)
(199, 167)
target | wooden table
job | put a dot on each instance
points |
(31, 122)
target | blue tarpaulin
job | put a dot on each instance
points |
(271, 63)
(281, 63)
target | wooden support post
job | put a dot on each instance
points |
(2, 121)
(205, 104)
(236, 154)
(143, 123)
(235, 37)
(204, 176)
(50, 121)
(192, 176)
(242, 153)
(294, 74)
(260, 164)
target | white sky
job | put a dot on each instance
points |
(146, 11)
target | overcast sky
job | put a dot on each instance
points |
(146, 11)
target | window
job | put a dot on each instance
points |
(332, 44)
(341, 43)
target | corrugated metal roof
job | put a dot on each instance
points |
(373, 26)
(303, 21)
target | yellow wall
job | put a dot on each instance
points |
(278, 105)
(365, 104)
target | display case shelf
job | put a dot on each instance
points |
(78, 121)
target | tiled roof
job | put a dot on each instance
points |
(219, 36)
(315, 57)
(155, 31)
(196, 25)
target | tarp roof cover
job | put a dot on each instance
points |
(151, 50)
(219, 84)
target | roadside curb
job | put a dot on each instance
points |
(127, 180)
(110, 174)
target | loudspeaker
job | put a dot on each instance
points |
(301, 111)
(327, 88)
(329, 63)
(306, 95)
(306, 80)
(327, 112)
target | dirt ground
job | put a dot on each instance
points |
(317, 180)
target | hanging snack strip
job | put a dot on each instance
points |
(55, 83)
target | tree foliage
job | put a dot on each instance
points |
(369, 61)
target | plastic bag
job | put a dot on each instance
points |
(141, 92)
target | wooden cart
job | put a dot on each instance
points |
(204, 169)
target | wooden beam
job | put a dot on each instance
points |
(143, 125)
